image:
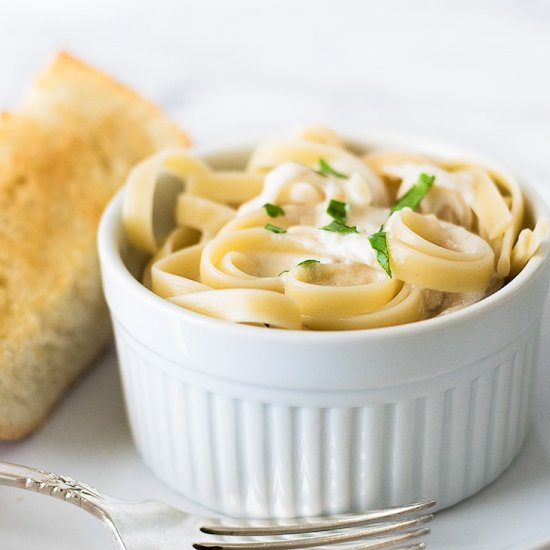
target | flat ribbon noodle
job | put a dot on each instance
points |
(147, 198)
(407, 306)
(231, 187)
(202, 214)
(527, 245)
(283, 250)
(178, 273)
(420, 253)
(503, 244)
(305, 285)
(180, 237)
(489, 205)
(145, 189)
(251, 306)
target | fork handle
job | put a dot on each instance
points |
(54, 485)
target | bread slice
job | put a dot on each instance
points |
(63, 153)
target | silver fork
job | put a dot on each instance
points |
(149, 525)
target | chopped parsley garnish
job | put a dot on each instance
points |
(337, 210)
(410, 199)
(273, 210)
(274, 228)
(339, 227)
(379, 244)
(305, 263)
(325, 169)
(415, 194)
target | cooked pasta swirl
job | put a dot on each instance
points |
(324, 290)
(437, 255)
(405, 307)
(251, 258)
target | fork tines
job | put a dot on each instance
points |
(385, 528)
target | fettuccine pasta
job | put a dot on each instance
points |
(312, 235)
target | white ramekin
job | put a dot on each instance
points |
(255, 422)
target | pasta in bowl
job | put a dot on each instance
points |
(333, 408)
(311, 235)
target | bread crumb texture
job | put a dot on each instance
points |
(63, 153)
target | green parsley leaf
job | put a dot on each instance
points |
(274, 228)
(305, 263)
(337, 210)
(273, 210)
(410, 199)
(379, 244)
(325, 169)
(339, 227)
(415, 194)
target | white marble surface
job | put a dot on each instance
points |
(472, 72)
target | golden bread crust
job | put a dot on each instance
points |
(63, 153)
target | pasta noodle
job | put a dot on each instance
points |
(405, 307)
(310, 235)
(438, 255)
(248, 306)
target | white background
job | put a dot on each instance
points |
(472, 72)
